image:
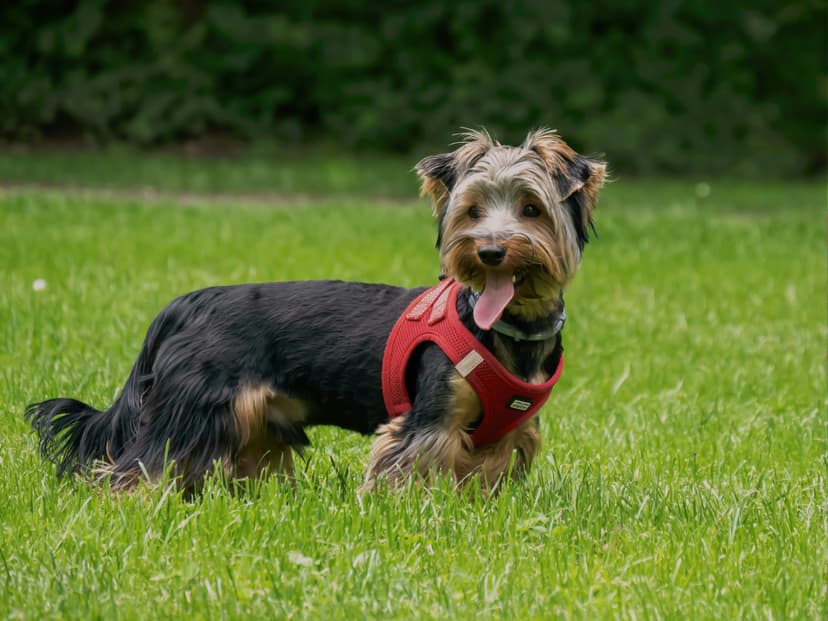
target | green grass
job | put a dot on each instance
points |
(250, 172)
(683, 468)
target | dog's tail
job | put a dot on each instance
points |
(75, 436)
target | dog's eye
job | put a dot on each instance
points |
(530, 211)
(474, 212)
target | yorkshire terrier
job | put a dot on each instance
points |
(449, 378)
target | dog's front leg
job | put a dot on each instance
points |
(431, 438)
(434, 437)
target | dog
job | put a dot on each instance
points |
(231, 377)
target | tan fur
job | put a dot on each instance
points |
(492, 461)
(497, 181)
(250, 410)
(542, 271)
(264, 454)
(129, 480)
(448, 450)
(474, 145)
(511, 456)
(259, 450)
(431, 451)
(554, 152)
(465, 404)
(119, 482)
(438, 192)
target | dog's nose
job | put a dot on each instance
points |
(491, 255)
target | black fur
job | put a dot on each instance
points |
(442, 166)
(575, 206)
(321, 342)
(580, 170)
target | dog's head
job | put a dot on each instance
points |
(513, 221)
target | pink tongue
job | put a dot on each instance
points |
(497, 293)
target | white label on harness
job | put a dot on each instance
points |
(521, 405)
(468, 363)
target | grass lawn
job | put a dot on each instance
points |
(683, 468)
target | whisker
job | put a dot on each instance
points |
(457, 240)
(527, 238)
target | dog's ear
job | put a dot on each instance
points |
(577, 178)
(439, 173)
(580, 191)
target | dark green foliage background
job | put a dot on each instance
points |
(727, 88)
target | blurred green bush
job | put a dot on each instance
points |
(660, 87)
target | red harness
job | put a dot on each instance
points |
(507, 401)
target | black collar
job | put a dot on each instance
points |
(512, 331)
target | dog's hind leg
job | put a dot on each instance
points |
(268, 428)
(263, 455)
(245, 432)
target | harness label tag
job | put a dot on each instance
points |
(468, 363)
(520, 404)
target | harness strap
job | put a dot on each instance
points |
(507, 401)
